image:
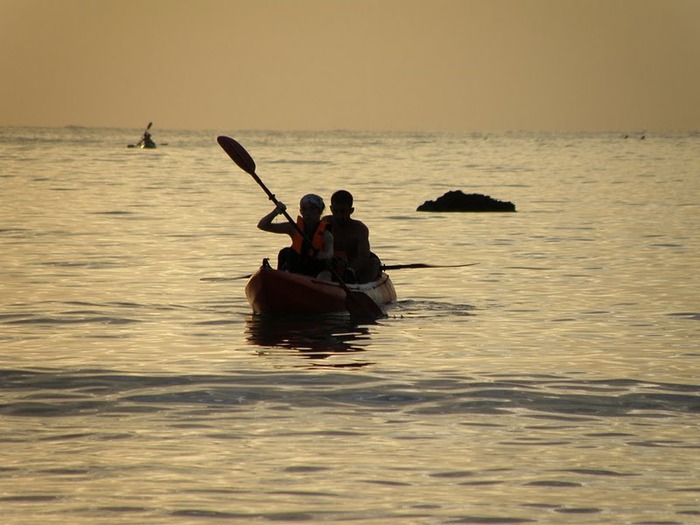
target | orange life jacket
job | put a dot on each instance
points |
(298, 243)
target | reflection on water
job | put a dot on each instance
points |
(429, 309)
(312, 337)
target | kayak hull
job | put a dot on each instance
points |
(275, 292)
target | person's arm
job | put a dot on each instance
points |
(267, 225)
(327, 252)
(363, 250)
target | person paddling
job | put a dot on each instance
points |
(302, 257)
(146, 141)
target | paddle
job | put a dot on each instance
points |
(357, 303)
(423, 265)
(384, 268)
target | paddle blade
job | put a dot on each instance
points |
(237, 153)
(423, 265)
(361, 306)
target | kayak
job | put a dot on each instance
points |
(143, 145)
(277, 292)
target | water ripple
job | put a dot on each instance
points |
(113, 391)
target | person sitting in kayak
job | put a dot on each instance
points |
(302, 257)
(353, 259)
(146, 141)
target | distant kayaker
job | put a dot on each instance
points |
(351, 242)
(146, 141)
(302, 257)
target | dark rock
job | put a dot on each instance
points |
(459, 201)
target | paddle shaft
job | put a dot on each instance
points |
(409, 266)
(284, 212)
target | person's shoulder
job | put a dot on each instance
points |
(359, 224)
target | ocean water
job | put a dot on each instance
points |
(557, 380)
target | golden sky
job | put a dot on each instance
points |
(453, 65)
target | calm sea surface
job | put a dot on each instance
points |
(556, 381)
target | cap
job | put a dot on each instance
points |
(313, 200)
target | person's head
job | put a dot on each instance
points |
(341, 205)
(311, 207)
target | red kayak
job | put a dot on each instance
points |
(276, 292)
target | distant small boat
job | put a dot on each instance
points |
(277, 292)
